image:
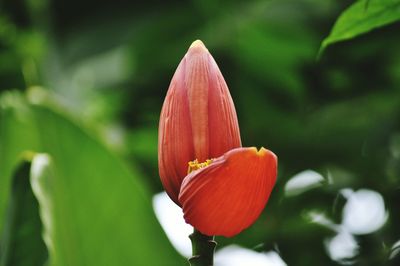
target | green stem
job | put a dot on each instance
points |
(202, 248)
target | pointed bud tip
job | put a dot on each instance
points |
(197, 45)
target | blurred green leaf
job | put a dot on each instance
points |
(362, 17)
(94, 209)
(16, 136)
(22, 243)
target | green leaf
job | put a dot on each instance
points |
(362, 17)
(17, 135)
(22, 243)
(94, 209)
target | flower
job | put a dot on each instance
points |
(198, 118)
(221, 187)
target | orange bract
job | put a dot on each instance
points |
(228, 195)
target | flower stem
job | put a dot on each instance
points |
(203, 247)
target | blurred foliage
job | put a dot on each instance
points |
(23, 243)
(89, 201)
(71, 67)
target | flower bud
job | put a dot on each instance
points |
(198, 118)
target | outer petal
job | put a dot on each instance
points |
(175, 142)
(228, 196)
(213, 116)
(224, 133)
(197, 80)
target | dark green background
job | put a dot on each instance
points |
(107, 65)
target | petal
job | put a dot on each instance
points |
(224, 132)
(213, 116)
(175, 143)
(228, 196)
(197, 85)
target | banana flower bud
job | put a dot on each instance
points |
(198, 119)
(221, 187)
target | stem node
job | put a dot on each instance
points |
(203, 247)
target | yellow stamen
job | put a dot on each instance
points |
(195, 165)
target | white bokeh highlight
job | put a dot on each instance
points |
(321, 219)
(171, 219)
(395, 250)
(342, 246)
(364, 212)
(237, 256)
(302, 182)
